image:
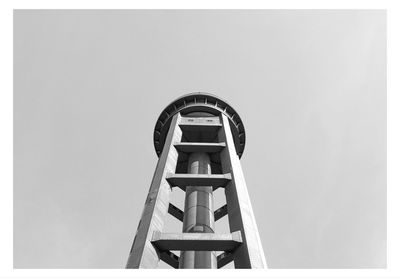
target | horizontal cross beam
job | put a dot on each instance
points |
(196, 241)
(183, 180)
(192, 147)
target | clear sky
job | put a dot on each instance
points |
(310, 87)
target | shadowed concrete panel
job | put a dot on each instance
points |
(203, 127)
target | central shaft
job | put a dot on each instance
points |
(198, 214)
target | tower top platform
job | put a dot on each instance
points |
(199, 105)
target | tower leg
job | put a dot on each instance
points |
(143, 254)
(240, 213)
(199, 214)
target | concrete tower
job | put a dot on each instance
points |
(199, 139)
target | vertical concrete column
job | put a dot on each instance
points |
(198, 214)
(143, 254)
(250, 253)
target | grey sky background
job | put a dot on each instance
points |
(310, 87)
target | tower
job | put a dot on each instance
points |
(199, 140)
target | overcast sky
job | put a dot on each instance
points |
(310, 87)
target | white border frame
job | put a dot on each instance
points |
(6, 140)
